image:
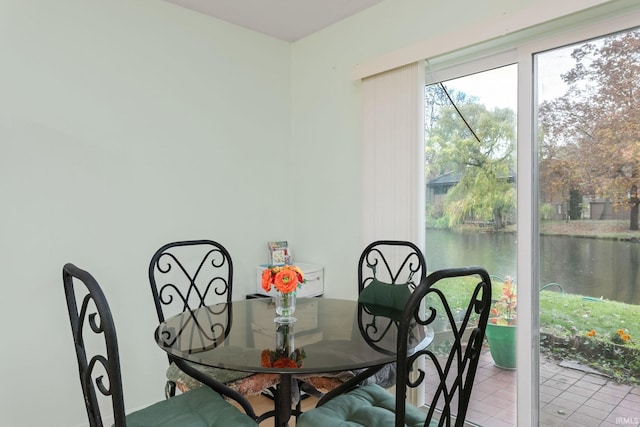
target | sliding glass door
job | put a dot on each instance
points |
(588, 134)
(470, 146)
(550, 207)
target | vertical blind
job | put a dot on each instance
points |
(393, 162)
(393, 158)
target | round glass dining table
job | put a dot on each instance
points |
(328, 336)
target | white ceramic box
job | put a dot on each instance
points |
(313, 275)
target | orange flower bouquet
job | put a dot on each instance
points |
(278, 359)
(285, 278)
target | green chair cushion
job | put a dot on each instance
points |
(385, 299)
(385, 294)
(201, 407)
(370, 406)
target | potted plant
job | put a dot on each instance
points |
(501, 328)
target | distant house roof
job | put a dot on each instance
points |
(452, 178)
(449, 178)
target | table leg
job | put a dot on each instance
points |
(283, 401)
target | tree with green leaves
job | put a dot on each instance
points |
(437, 103)
(478, 144)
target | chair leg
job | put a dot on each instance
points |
(303, 393)
(169, 389)
(298, 411)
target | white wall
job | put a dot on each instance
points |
(124, 125)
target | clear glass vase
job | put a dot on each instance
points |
(285, 307)
(285, 339)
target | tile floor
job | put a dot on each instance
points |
(569, 397)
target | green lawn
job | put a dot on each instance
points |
(578, 328)
(603, 334)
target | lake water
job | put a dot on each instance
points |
(591, 267)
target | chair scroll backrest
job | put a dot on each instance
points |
(190, 274)
(391, 261)
(451, 365)
(92, 328)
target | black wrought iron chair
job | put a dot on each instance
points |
(187, 275)
(388, 271)
(449, 369)
(96, 346)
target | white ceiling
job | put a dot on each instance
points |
(288, 20)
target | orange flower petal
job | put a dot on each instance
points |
(265, 359)
(285, 362)
(286, 280)
(266, 280)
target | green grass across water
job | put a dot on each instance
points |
(576, 327)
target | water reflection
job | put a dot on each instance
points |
(590, 267)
